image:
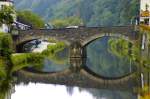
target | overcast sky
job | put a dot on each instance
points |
(143, 3)
(43, 91)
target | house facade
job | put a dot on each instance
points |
(145, 12)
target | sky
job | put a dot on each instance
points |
(48, 91)
(143, 3)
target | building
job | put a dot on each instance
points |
(4, 27)
(17, 22)
(145, 12)
(6, 3)
(22, 24)
(143, 3)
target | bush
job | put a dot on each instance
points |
(32, 18)
(6, 44)
(69, 21)
(2, 68)
(20, 61)
(6, 15)
(53, 49)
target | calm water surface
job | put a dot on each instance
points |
(99, 59)
(47, 91)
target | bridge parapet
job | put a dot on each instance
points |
(76, 34)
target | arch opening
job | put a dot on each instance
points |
(97, 36)
(104, 62)
(52, 55)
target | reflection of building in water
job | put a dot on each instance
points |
(145, 12)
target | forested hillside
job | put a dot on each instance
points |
(93, 12)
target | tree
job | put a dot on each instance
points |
(32, 18)
(70, 21)
(7, 15)
(5, 44)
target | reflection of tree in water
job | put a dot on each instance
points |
(54, 58)
(111, 94)
(70, 90)
(5, 80)
(57, 62)
(101, 61)
(60, 57)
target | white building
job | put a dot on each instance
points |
(21, 26)
(4, 27)
(145, 12)
(6, 3)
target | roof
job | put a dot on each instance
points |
(145, 13)
(21, 20)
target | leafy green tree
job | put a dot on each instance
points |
(93, 12)
(32, 18)
(5, 45)
(7, 15)
(70, 21)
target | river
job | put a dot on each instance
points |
(99, 60)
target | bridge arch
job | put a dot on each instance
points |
(100, 35)
(82, 79)
(97, 76)
(28, 39)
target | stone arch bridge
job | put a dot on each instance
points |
(83, 35)
(78, 38)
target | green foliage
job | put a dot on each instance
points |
(20, 61)
(5, 86)
(5, 52)
(123, 48)
(106, 63)
(53, 49)
(7, 15)
(119, 47)
(52, 40)
(92, 12)
(2, 68)
(32, 18)
(6, 44)
(23, 60)
(70, 21)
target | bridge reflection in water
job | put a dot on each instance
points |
(79, 74)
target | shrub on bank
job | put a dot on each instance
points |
(20, 61)
(53, 49)
(24, 60)
(6, 44)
